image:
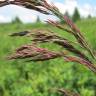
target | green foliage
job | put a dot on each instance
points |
(19, 78)
(76, 15)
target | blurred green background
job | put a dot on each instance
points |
(19, 78)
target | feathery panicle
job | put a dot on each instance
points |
(91, 66)
(48, 36)
(68, 46)
(20, 33)
(41, 36)
(58, 25)
(34, 53)
(40, 54)
(30, 4)
(80, 38)
(75, 32)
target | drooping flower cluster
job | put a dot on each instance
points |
(42, 36)
(34, 53)
(30, 4)
(45, 36)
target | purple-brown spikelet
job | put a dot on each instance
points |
(20, 33)
(58, 25)
(71, 24)
(91, 66)
(71, 48)
(80, 38)
(34, 53)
